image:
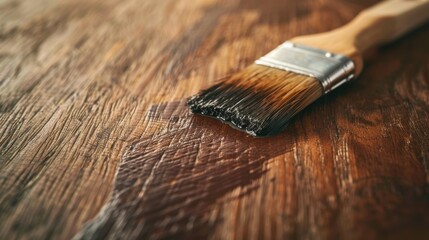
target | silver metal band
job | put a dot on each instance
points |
(332, 70)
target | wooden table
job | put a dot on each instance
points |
(96, 141)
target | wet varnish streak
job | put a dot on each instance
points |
(169, 183)
(191, 177)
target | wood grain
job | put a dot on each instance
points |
(95, 140)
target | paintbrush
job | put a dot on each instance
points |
(263, 97)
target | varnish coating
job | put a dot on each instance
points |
(95, 139)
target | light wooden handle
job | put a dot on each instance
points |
(374, 26)
(385, 22)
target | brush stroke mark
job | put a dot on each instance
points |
(169, 181)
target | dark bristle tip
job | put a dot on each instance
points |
(259, 100)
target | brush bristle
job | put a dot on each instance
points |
(259, 100)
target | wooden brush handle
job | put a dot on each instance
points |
(374, 26)
(386, 21)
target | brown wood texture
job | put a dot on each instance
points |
(95, 140)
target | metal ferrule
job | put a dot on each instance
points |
(332, 70)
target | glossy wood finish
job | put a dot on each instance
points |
(95, 140)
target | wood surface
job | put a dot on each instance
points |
(96, 141)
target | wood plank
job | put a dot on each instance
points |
(96, 140)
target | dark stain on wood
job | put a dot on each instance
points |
(167, 182)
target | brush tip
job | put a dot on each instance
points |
(258, 100)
